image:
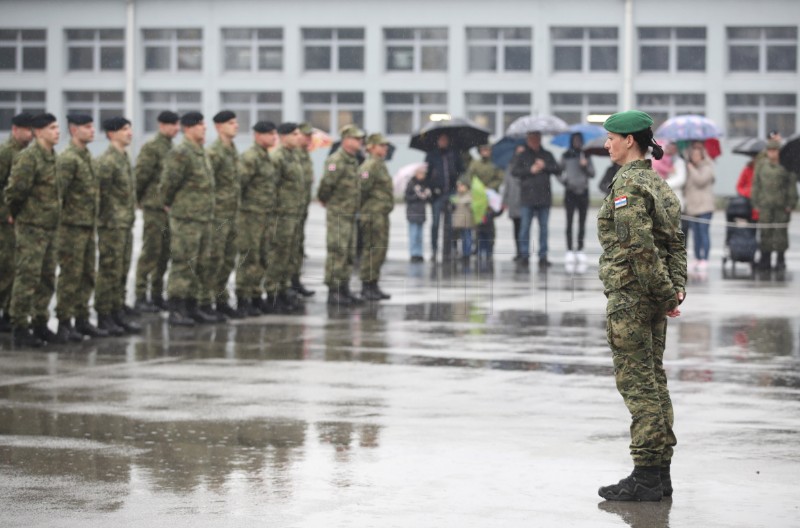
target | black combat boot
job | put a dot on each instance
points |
(66, 333)
(145, 306)
(41, 331)
(355, 300)
(243, 307)
(22, 337)
(5, 323)
(130, 311)
(291, 302)
(780, 265)
(212, 313)
(383, 294)
(368, 292)
(178, 315)
(644, 484)
(225, 310)
(195, 313)
(261, 306)
(666, 480)
(106, 323)
(128, 326)
(86, 328)
(160, 303)
(337, 298)
(299, 288)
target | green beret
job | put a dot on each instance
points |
(628, 122)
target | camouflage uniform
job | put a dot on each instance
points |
(340, 191)
(377, 201)
(76, 246)
(256, 211)
(154, 257)
(115, 216)
(289, 197)
(8, 151)
(643, 267)
(225, 164)
(300, 237)
(774, 190)
(33, 197)
(187, 188)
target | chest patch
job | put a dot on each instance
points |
(331, 167)
(364, 175)
(620, 201)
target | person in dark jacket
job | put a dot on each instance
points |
(445, 166)
(417, 195)
(577, 169)
(533, 167)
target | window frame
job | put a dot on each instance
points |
(18, 105)
(585, 108)
(173, 44)
(586, 43)
(251, 107)
(416, 43)
(19, 44)
(333, 107)
(500, 45)
(255, 43)
(499, 108)
(672, 43)
(416, 108)
(762, 43)
(334, 43)
(761, 109)
(673, 108)
(173, 104)
(96, 44)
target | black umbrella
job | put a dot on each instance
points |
(790, 154)
(464, 134)
(596, 147)
(750, 146)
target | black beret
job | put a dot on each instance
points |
(190, 119)
(264, 127)
(42, 120)
(24, 119)
(79, 119)
(168, 117)
(112, 124)
(287, 128)
(224, 116)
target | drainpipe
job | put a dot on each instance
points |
(130, 42)
(627, 57)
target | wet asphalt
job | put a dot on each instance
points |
(477, 396)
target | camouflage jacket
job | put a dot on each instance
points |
(340, 187)
(33, 193)
(639, 229)
(117, 206)
(227, 185)
(490, 174)
(187, 183)
(149, 165)
(377, 189)
(308, 172)
(8, 151)
(80, 187)
(774, 187)
(257, 181)
(289, 182)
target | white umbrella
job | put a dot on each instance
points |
(544, 124)
(404, 174)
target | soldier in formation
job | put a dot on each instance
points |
(303, 153)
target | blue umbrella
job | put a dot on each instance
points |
(503, 150)
(589, 132)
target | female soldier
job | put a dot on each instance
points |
(643, 269)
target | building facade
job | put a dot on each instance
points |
(388, 65)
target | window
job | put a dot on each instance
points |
(416, 49)
(153, 103)
(331, 111)
(753, 49)
(496, 111)
(575, 107)
(94, 50)
(253, 49)
(406, 112)
(499, 49)
(579, 49)
(753, 115)
(251, 107)
(173, 50)
(23, 50)
(99, 105)
(13, 103)
(662, 106)
(678, 49)
(333, 49)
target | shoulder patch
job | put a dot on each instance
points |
(331, 167)
(620, 201)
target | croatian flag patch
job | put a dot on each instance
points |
(331, 167)
(364, 175)
(620, 201)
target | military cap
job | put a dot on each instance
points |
(628, 122)
(42, 120)
(351, 131)
(287, 128)
(306, 128)
(773, 144)
(190, 119)
(224, 116)
(167, 117)
(112, 124)
(377, 139)
(79, 119)
(25, 120)
(263, 127)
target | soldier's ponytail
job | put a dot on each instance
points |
(644, 138)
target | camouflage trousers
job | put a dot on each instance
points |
(253, 243)
(375, 232)
(154, 258)
(6, 264)
(35, 274)
(222, 260)
(190, 248)
(283, 235)
(637, 328)
(298, 255)
(773, 239)
(76, 261)
(340, 240)
(114, 246)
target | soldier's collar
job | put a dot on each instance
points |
(197, 149)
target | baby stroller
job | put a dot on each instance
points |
(740, 239)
